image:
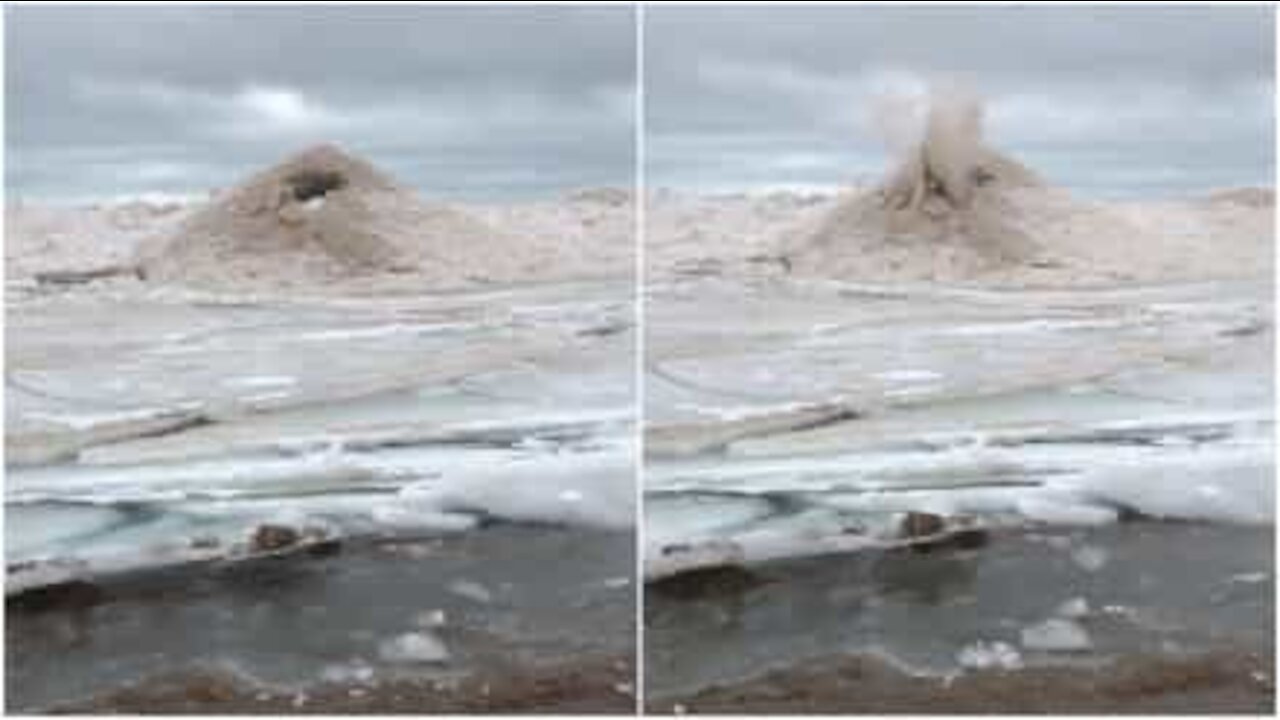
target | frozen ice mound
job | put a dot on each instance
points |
(324, 215)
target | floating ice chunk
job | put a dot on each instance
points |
(1251, 578)
(1056, 635)
(1074, 608)
(667, 560)
(802, 535)
(982, 655)
(1058, 542)
(414, 647)
(1091, 558)
(1116, 610)
(357, 670)
(430, 619)
(471, 590)
(589, 488)
(1227, 482)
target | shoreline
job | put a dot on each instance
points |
(1231, 681)
(595, 686)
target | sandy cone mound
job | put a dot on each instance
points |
(950, 209)
(323, 216)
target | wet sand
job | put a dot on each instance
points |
(589, 686)
(1226, 682)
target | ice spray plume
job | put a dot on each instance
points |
(945, 156)
(946, 208)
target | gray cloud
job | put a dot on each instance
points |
(1119, 100)
(460, 101)
(502, 101)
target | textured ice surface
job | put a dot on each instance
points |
(1070, 408)
(171, 438)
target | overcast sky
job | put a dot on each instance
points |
(1108, 101)
(473, 102)
(494, 102)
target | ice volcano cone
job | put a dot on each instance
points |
(949, 209)
(322, 216)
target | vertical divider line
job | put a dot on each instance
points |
(639, 196)
(4, 200)
(1275, 283)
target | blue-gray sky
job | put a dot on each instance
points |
(1136, 100)
(471, 102)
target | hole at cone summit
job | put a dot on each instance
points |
(308, 184)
